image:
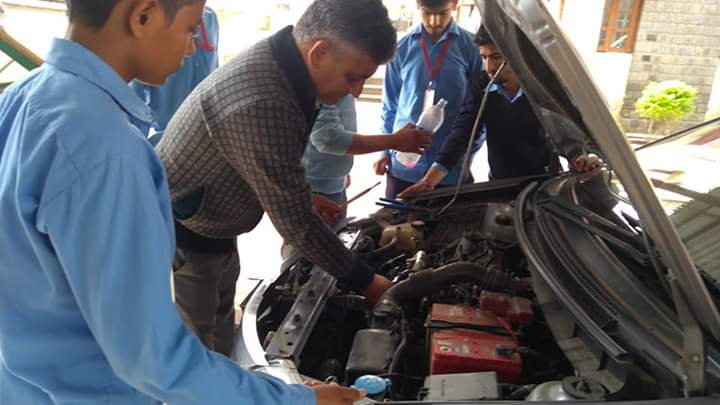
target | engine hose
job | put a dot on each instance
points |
(425, 283)
(395, 364)
(384, 250)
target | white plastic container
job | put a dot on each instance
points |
(430, 120)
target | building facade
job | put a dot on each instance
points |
(629, 43)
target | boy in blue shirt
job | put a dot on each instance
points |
(166, 99)
(86, 313)
(437, 59)
(328, 156)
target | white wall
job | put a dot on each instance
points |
(714, 105)
(34, 23)
(581, 21)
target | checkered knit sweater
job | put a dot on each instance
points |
(234, 149)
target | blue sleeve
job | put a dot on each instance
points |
(329, 134)
(391, 93)
(456, 142)
(212, 26)
(112, 232)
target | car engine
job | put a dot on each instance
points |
(466, 319)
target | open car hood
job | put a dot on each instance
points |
(570, 106)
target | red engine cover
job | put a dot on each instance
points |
(465, 351)
(464, 315)
(497, 303)
(520, 311)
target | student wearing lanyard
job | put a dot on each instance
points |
(516, 140)
(166, 99)
(437, 59)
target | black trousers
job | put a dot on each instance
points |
(395, 186)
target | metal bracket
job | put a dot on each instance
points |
(294, 331)
(692, 363)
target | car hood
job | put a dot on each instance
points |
(571, 107)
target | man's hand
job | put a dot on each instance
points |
(376, 289)
(381, 165)
(328, 210)
(417, 188)
(432, 178)
(586, 163)
(333, 394)
(411, 139)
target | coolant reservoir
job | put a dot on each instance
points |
(409, 234)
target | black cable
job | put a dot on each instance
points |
(466, 158)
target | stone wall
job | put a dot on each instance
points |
(677, 40)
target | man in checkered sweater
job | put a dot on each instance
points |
(232, 152)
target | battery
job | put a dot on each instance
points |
(466, 351)
(463, 315)
(497, 303)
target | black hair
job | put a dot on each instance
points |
(482, 37)
(363, 24)
(97, 12)
(433, 3)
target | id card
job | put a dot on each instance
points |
(429, 98)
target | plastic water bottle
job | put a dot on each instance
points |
(430, 120)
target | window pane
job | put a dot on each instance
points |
(627, 4)
(623, 21)
(601, 40)
(606, 19)
(619, 40)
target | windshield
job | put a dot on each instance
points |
(683, 169)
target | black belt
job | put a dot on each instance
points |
(188, 239)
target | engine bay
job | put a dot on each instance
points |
(464, 320)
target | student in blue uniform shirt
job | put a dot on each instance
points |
(87, 241)
(328, 157)
(437, 59)
(166, 99)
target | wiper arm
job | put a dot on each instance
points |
(576, 218)
(694, 351)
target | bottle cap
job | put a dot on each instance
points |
(372, 384)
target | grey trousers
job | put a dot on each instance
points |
(205, 295)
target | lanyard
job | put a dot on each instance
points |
(200, 37)
(434, 71)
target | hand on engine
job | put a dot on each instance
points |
(376, 289)
(417, 188)
(328, 210)
(586, 163)
(333, 394)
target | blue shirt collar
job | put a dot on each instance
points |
(74, 58)
(498, 88)
(453, 28)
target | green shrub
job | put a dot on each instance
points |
(666, 102)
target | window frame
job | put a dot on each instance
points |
(611, 28)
